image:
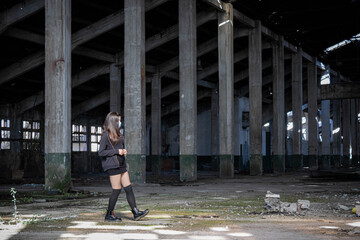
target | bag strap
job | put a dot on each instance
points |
(107, 134)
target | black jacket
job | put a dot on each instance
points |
(110, 156)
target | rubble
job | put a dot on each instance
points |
(304, 204)
(274, 204)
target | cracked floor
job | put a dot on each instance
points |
(210, 208)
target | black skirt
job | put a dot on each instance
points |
(119, 170)
(115, 171)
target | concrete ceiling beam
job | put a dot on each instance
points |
(94, 30)
(339, 91)
(40, 39)
(19, 12)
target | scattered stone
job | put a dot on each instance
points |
(288, 207)
(272, 195)
(345, 208)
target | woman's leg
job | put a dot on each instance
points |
(115, 181)
(125, 180)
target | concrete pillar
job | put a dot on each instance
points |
(115, 88)
(346, 131)
(188, 90)
(357, 148)
(57, 95)
(297, 102)
(237, 129)
(135, 82)
(312, 115)
(325, 134)
(336, 112)
(226, 90)
(354, 131)
(279, 107)
(156, 124)
(358, 129)
(15, 126)
(255, 98)
(244, 134)
(215, 129)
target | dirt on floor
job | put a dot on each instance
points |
(210, 208)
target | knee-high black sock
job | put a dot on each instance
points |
(130, 196)
(113, 198)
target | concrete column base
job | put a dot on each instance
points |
(313, 162)
(136, 167)
(58, 171)
(297, 162)
(324, 162)
(226, 166)
(188, 168)
(156, 165)
(279, 163)
(256, 164)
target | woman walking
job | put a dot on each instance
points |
(113, 155)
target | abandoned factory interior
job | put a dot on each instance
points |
(236, 87)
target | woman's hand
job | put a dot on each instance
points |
(122, 152)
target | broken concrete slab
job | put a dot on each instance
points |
(273, 203)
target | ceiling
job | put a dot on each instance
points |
(313, 25)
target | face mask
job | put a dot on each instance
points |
(119, 124)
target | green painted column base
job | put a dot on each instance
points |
(336, 160)
(313, 162)
(297, 162)
(355, 160)
(188, 168)
(346, 161)
(279, 163)
(256, 164)
(58, 171)
(156, 165)
(325, 162)
(215, 161)
(226, 166)
(136, 167)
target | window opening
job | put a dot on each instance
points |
(5, 134)
(79, 138)
(95, 138)
(31, 135)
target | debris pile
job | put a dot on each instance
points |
(274, 204)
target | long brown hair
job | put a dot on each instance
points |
(111, 125)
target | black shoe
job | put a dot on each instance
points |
(139, 214)
(110, 216)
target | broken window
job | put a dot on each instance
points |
(95, 138)
(79, 143)
(5, 134)
(31, 135)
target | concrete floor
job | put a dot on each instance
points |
(210, 208)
